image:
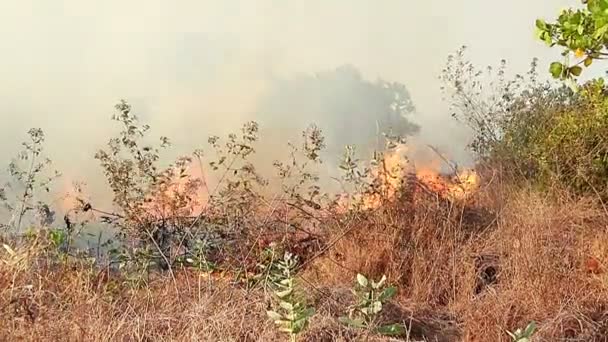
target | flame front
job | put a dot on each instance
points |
(391, 172)
(185, 194)
(464, 184)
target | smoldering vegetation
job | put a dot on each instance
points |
(225, 244)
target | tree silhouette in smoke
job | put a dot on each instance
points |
(349, 109)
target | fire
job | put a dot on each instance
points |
(186, 194)
(464, 184)
(394, 168)
(182, 194)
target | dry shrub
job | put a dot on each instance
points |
(69, 302)
(509, 257)
(542, 246)
(464, 271)
(72, 301)
(416, 242)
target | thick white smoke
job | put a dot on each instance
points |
(195, 68)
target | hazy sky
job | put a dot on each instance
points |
(200, 67)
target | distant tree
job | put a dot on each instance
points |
(582, 33)
(349, 109)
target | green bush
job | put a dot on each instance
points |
(571, 146)
(545, 133)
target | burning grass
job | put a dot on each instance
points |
(465, 270)
(473, 256)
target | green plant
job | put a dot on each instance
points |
(29, 179)
(371, 297)
(373, 181)
(135, 263)
(525, 335)
(484, 99)
(292, 315)
(59, 238)
(154, 204)
(267, 272)
(237, 191)
(583, 35)
(197, 255)
(533, 131)
(299, 181)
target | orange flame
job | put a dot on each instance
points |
(392, 170)
(181, 195)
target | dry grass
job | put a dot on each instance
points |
(489, 267)
(464, 273)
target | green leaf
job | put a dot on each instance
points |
(391, 330)
(299, 325)
(572, 85)
(58, 237)
(357, 323)
(600, 32)
(576, 70)
(545, 37)
(273, 315)
(309, 312)
(283, 294)
(380, 283)
(283, 322)
(376, 307)
(287, 330)
(541, 24)
(286, 306)
(588, 61)
(530, 329)
(388, 293)
(556, 69)
(362, 280)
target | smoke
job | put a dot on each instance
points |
(196, 68)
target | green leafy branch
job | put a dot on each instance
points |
(292, 315)
(582, 33)
(525, 335)
(371, 297)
